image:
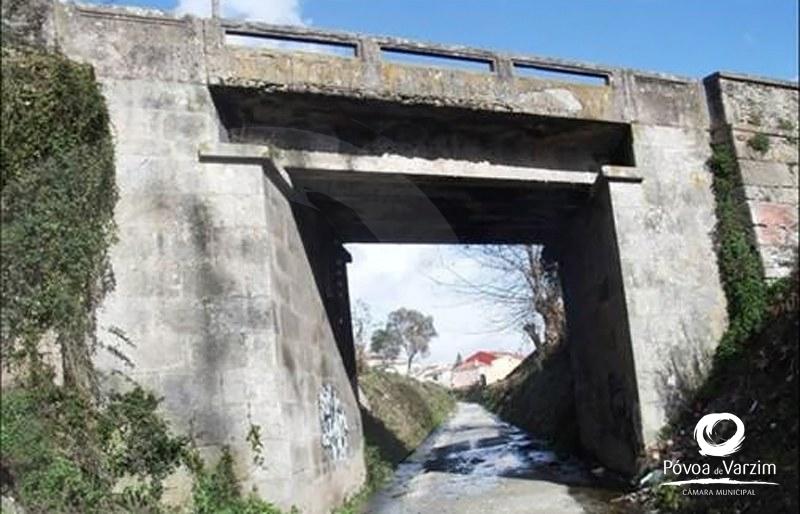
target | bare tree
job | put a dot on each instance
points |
(522, 283)
(361, 318)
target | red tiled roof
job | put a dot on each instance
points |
(482, 357)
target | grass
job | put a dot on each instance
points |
(539, 397)
(403, 412)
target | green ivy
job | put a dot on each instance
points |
(739, 261)
(216, 490)
(65, 455)
(58, 196)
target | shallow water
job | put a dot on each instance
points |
(477, 463)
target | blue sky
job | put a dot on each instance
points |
(688, 37)
(693, 38)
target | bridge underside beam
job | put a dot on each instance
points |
(369, 198)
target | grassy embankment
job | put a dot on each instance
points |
(538, 396)
(402, 412)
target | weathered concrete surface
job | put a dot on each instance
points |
(675, 307)
(234, 292)
(603, 370)
(366, 75)
(745, 108)
(213, 286)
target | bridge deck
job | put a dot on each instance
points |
(265, 57)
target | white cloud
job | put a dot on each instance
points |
(281, 12)
(388, 276)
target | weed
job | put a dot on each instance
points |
(759, 142)
(785, 124)
(667, 498)
(65, 455)
(256, 444)
(216, 491)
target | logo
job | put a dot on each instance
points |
(705, 428)
(719, 473)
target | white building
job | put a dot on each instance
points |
(484, 368)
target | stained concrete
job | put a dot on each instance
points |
(230, 273)
(744, 108)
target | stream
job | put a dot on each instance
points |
(476, 463)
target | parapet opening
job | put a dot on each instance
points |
(436, 59)
(289, 43)
(315, 122)
(536, 71)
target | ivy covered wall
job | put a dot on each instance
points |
(58, 196)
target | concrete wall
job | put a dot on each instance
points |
(642, 337)
(213, 286)
(604, 376)
(664, 224)
(326, 455)
(744, 108)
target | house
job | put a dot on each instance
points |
(437, 373)
(485, 368)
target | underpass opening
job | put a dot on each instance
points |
(574, 224)
(363, 171)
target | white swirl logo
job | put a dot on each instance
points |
(705, 428)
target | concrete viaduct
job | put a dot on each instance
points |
(243, 169)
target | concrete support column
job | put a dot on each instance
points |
(606, 396)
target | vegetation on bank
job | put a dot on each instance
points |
(537, 396)
(402, 413)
